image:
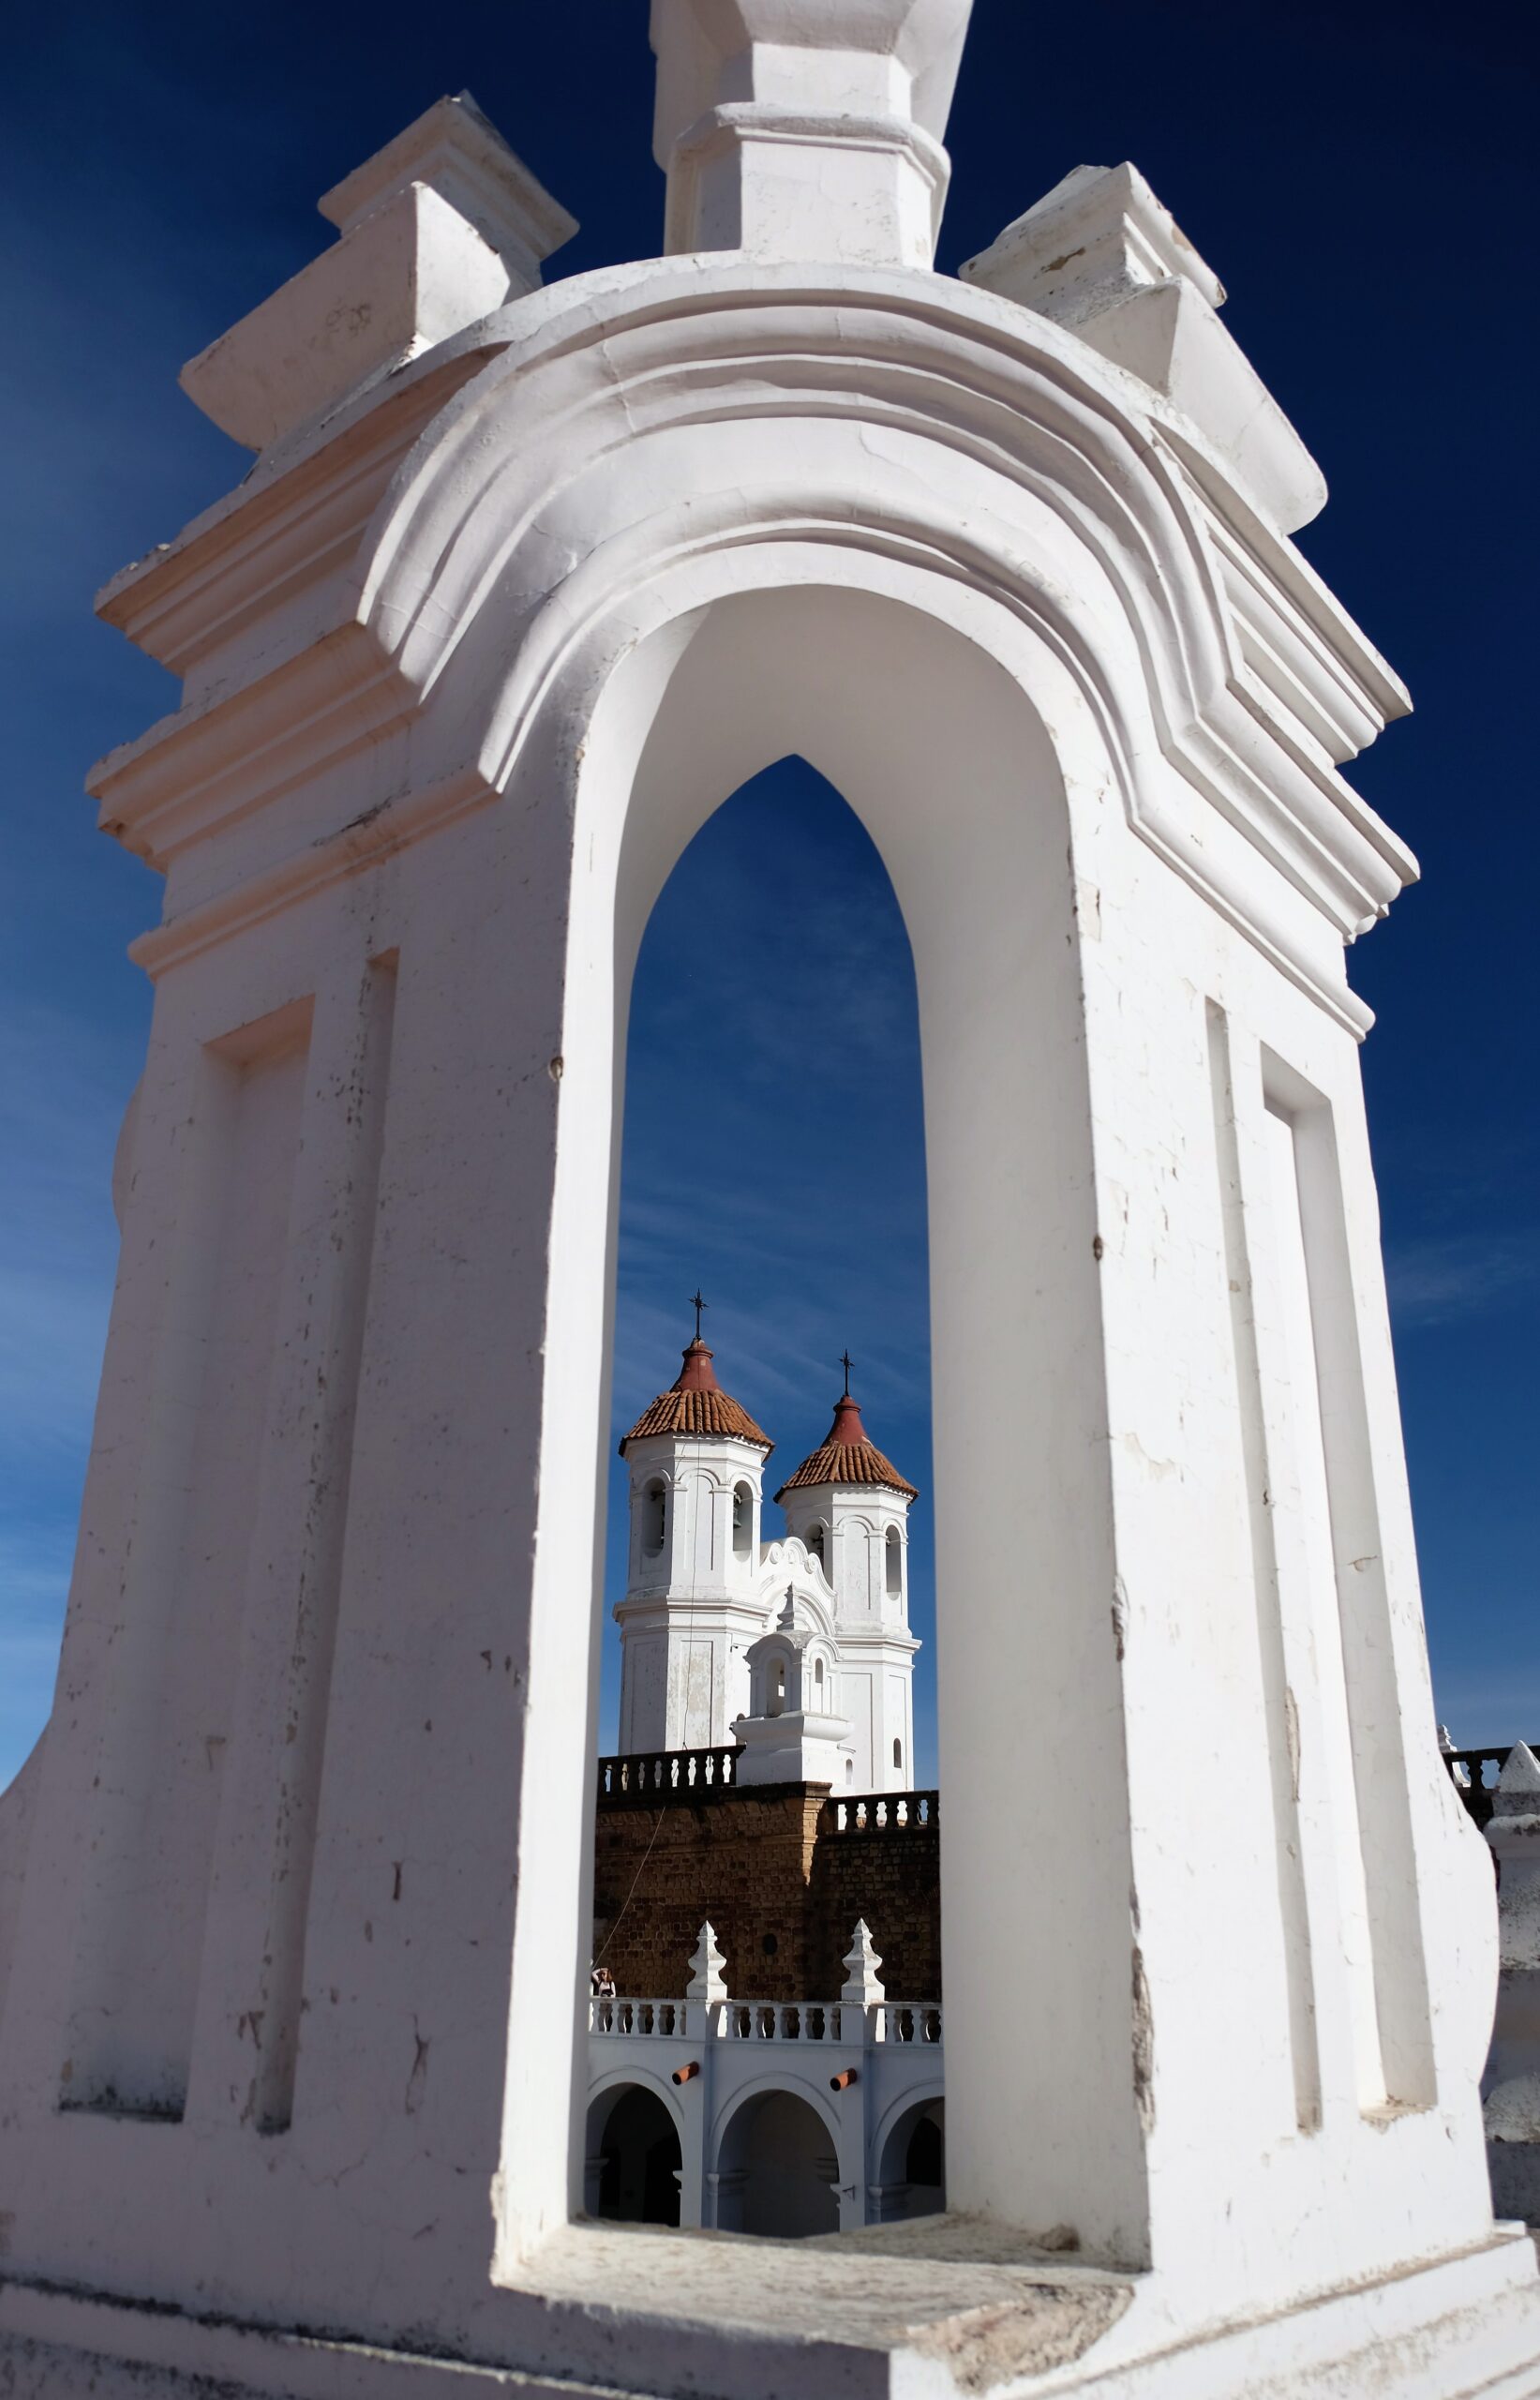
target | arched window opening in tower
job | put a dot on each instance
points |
(768, 1668)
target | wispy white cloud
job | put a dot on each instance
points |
(772, 1353)
(1441, 1277)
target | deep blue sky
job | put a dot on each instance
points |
(1359, 174)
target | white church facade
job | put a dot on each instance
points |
(798, 1649)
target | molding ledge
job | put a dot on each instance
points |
(955, 2302)
(1258, 685)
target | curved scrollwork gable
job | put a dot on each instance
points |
(595, 456)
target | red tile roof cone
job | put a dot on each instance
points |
(848, 1456)
(698, 1372)
(695, 1403)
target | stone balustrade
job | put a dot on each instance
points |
(650, 1775)
(831, 2021)
(1475, 1775)
(883, 1812)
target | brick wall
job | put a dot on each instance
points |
(893, 1880)
(782, 1892)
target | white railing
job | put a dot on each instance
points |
(881, 1812)
(768, 2020)
(781, 2020)
(677, 2019)
(912, 2020)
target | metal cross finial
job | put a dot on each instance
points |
(697, 1304)
(847, 1362)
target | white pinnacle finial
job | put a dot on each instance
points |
(809, 134)
(708, 1980)
(441, 227)
(862, 1983)
(1100, 254)
(1459, 1773)
(1519, 1785)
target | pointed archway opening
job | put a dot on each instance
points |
(772, 1196)
(930, 739)
(773, 1159)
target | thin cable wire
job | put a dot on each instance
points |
(631, 1895)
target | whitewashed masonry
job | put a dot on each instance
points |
(293, 2061)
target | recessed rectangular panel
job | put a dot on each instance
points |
(698, 1694)
(1247, 1251)
(1381, 1930)
(140, 1957)
(1304, 1491)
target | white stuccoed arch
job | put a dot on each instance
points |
(693, 711)
(295, 1897)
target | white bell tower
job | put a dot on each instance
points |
(692, 1606)
(850, 1507)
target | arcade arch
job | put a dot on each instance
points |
(911, 2159)
(633, 2160)
(778, 2169)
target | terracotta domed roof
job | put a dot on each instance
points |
(847, 1457)
(696, 1402)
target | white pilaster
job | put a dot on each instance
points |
(252, 1981)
